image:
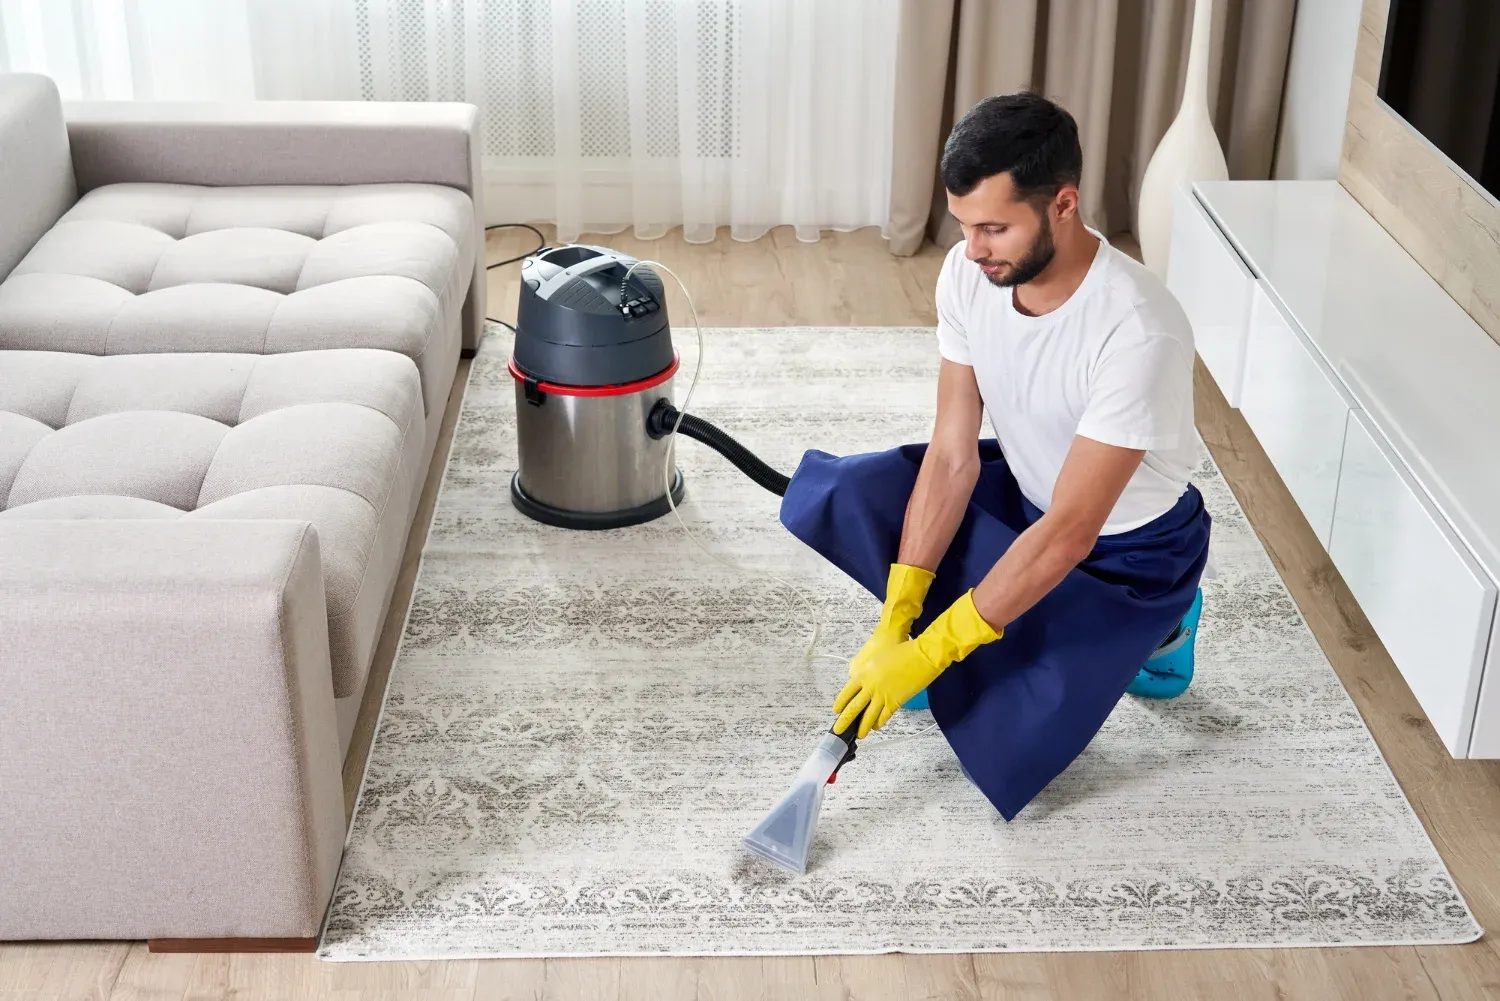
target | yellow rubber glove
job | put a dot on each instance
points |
(894, 676)
(905, 590)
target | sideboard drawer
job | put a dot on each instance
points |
(1213, 285)
(1296, 408)
(1485, 743)
(1429, 602)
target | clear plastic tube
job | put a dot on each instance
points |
(811, 652)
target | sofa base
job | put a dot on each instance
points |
(193, 945)
(169, 945)
(346, 712)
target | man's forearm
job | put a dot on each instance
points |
(938, 502)
(1034, 564)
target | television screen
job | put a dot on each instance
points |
(1441, 72)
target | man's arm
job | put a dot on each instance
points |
(1091, 480)
(949, 470)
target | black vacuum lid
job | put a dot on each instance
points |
(577, 325)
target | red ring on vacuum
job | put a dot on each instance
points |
(623, 389)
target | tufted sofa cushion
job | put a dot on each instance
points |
(137, 268)
(333, 437)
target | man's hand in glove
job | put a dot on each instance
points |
(879, 686)
(905, 590)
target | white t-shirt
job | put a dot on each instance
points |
(1113, 363)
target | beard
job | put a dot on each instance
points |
(1035, 261)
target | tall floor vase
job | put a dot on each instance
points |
(1188, 152)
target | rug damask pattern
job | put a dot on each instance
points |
(580, 727)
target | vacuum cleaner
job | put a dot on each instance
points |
(593, 366)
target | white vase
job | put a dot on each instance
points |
(1188, 152)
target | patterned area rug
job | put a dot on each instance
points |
(581, 726)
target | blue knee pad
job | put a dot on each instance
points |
(1170, 670)
(1166, 675)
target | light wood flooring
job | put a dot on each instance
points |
(851, 279)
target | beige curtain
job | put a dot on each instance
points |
(1116, 65)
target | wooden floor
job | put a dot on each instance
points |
(851, 279)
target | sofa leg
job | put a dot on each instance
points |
(232, 945)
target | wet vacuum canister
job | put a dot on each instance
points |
(593, 355)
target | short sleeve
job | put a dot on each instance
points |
(952, 311)
(1140, 392)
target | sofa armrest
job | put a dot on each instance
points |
(35, 172)
(169, 760)
(233, 144)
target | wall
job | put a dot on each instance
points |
(1315, 102)
(1444, 222)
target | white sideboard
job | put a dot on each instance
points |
(1377, 399)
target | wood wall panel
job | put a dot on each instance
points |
(1443, 221)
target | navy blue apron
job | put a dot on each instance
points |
(1016, 712)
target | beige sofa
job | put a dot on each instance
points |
(227, 336)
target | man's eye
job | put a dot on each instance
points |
(994, 230)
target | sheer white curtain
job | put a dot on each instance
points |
(598, 115)
(184, 49)
(601, 115)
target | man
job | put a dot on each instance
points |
(1028, 582)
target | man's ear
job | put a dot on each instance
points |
(1065, 202)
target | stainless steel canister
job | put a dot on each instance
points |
(585, 451)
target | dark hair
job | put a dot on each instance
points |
(1032, 138)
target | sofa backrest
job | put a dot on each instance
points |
(36, 171)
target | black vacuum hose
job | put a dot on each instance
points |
(659, 424)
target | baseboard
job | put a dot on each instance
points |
(232, 945)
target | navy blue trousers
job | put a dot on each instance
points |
(1016, 712)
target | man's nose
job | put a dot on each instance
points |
(974, 248)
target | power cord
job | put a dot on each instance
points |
(541, 245)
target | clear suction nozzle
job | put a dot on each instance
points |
(785, 835)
